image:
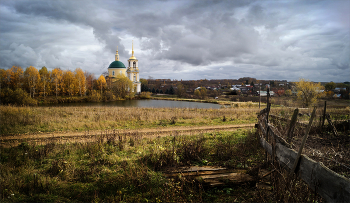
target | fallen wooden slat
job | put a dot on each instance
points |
(213, 176)
(200, 173)
(193, 169)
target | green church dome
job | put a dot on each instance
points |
(116, 64)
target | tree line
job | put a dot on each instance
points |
(32, 84)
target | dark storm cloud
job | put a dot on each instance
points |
(183, 39)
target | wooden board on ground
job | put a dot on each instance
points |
(212, 176)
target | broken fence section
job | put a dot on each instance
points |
(328, 184)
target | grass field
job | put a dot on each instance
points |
(129, 168)
(20, 120)
(125, 170)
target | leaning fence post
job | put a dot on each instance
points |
(324, 113)
(291, 126)
(335, 132)
(304, 141)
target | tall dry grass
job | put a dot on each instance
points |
(19, 120)
(123, 168)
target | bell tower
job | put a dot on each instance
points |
(133, 71)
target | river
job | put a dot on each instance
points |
(144, 103)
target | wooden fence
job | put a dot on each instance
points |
(328, 184)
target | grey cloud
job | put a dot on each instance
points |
(285, 39)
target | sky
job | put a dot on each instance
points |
(182, 39)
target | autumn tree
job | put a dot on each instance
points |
(16, 77)
(330, 86)
(3, 76)
(180, 90)
(89, 77)
(68, 83)
(101, 83)
(45, 79)
(56, 76)
(32, 79)
(308, 92)
(122, 87)
(7, 78)
(80, 80)
(288, 93)
(201, 93)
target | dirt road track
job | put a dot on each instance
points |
(86, 136)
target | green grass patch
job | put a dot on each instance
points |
(122, 168)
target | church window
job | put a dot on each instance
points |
(134, 77)
(113, 73)
(134, 64)
(120, 72)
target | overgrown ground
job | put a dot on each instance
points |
(125, 169)
(128, 168)
(322, 145)
(20, 120)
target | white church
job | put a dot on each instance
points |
(132, 72)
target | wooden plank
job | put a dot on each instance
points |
(193, 169)
(266, 145)
(200, 173)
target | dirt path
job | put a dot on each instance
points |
(87, 136)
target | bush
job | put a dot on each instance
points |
(95, 96)
(108, 96)
(145, 95)
(17, 97)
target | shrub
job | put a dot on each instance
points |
(95, 96)
(145, 95)
(108, 96)
(17, 97)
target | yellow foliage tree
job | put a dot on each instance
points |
(80, 80)
(122, 87)
(101, 83)
(201, 93)
(68, 82)
(32, 79)
(7, 78)
(56, 76)
(16, 77)
(3, 76)
(45, 76)
(308, 92)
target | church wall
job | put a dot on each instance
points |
(116, 71)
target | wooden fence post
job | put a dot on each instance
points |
(304, 141)
(267, 121)
(291, 126)
(324, 113)
(335, 132)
